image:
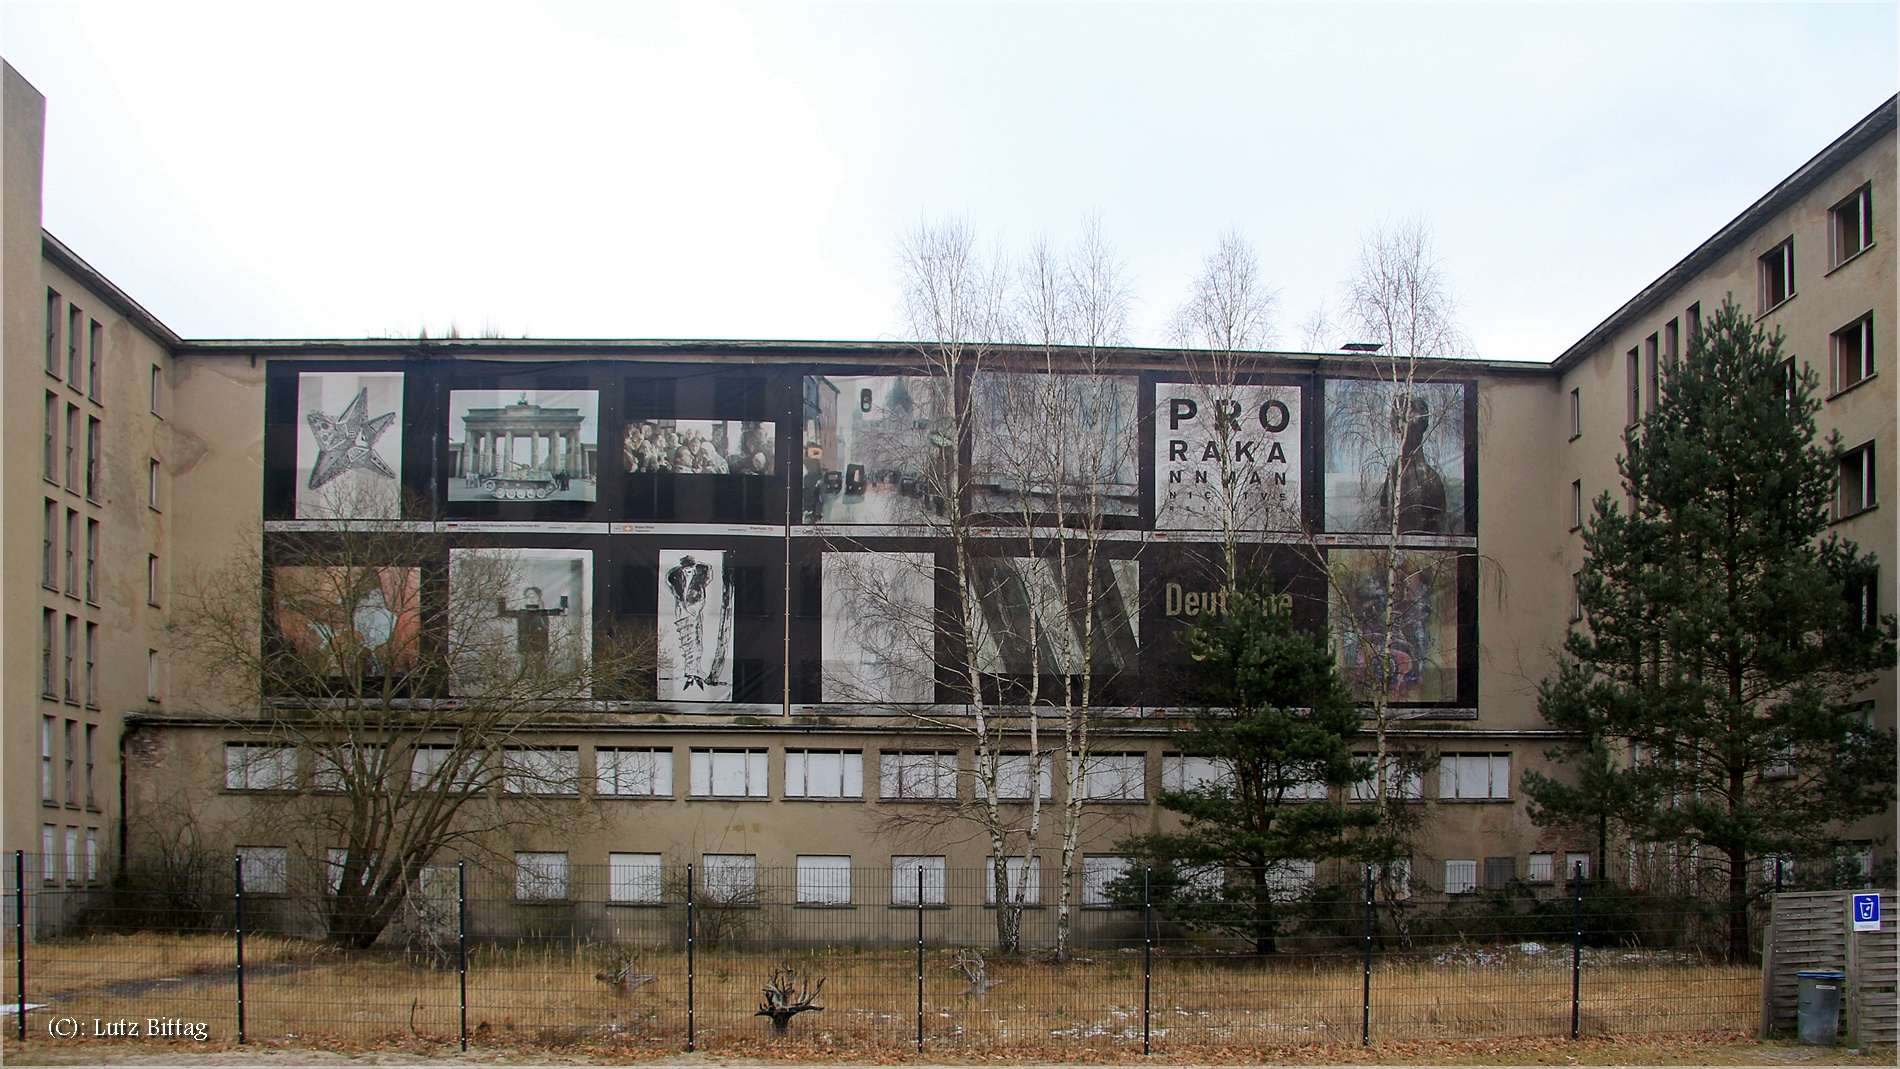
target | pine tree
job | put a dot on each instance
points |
(1278, 724)
(1710, 696)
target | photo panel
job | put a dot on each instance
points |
(1048, 443)
(1026, 623)
(878, 640)
(524, 445)
(350, 619)
(700, 446)
(1424, 632)
(349, 445)
(871, 446)
(1381, 437)
(695, 626)
(1227, 458)
(519, 614)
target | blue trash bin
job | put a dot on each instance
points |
(1818, 1008)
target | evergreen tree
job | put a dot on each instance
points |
(1725, 641)
(1278, 725)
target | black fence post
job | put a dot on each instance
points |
(238, 896)
(1576, 959)
(690, 1022)
(1365, 997)
(1147, 957)
(461, 941)
(19, 937)
(920, 959)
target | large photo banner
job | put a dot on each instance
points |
(517, 613)
(1417, 651)
(878, 639)
(1387, 440)
(1227, 458)
(700, 446)
(349, 445)
(695, 626)
(1028, 623)
(523, 445)
(871, 445)
(350, 619)
(1042, 444)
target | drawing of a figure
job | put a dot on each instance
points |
(689, 581)
(531, 628)
(1421, 489)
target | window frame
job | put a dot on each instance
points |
(264, 870)
(799, 774)
(541, 771)
(542, 876)
(1861, 200)
(904, 879)
(730, 879)
(610, 779)
(1018, 872)
(54, 323)
(1455, 769)
(1576, 413)
(754, 766)
(817, 883)
(95, 361)
(1098, 872)
(1094, 772)
(1863, 480)
(1776, 269)
(894, 775)
(634, 881)
(275, 772)
(1461, 876)
(1862, 330)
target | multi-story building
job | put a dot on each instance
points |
(734, 502)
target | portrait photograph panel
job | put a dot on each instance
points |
(524, 445)
(701, 446)
(1383, 437)
(349, 445)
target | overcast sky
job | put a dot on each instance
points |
(610, 170)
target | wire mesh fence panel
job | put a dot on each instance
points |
(726, 955)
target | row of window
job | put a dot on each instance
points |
(69, 659)
(62, 467)
(1850, 232)
(80, 341)
(77, 863)
(744, 773)
(81, 547)
(79, 763)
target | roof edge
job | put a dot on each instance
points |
(1877, 124)
(70, 262)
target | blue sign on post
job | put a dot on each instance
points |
(1867, 913)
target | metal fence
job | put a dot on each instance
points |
(640, 955)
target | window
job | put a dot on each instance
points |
(904, 880)
(426, 765)
(151, 484)
(1790, 379)
(1016, 771)
(728, 773)
(1292, 878)
(1461, 877)
(1777, 275)
(1652, 371)
(75, 338)
(1474, 775)
(92, 855)
(1694, 316)
(92, 562)
(92, 754)
(151, 675)
(95, 360)
(1863, 602)
(340, 769)
(915, 776)
(1499, 872)
(49, 455)
(1540, 869)
(90, 692)
(72, 763)
(1116, 777)
(49, 546)
(1635, 387)
(258, 766)
(151, 579)
(1672, 343)
(157, 381)
(1852, 224)
(1853, 351)
(634, 879)
(47, 729)
(540, 876)
(1099, 873)
(264, 870)
(72, 553)
(72, 447)
(1182, 773)
(824, 880)
(1855, 863)
(1576, 413)
(72, 854)
(1576, 864)
(1855, 483)
(646, 773)
(93, 458)
(824, 774)
(52, 333)
(49, 852)
(1401, 781)
(70, 677)
(542, 770)
(1777, 871)
(730, 879)
(1024, 876)
(49, 624)
(1576, 504)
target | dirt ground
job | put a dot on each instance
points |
(1700, 1049)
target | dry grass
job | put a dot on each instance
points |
(549, 998)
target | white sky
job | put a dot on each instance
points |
(611, 170)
